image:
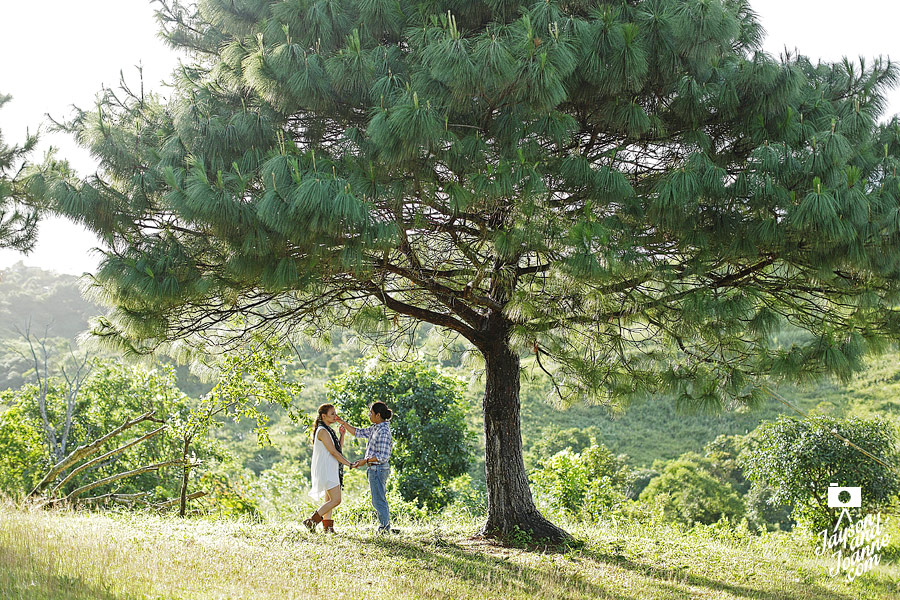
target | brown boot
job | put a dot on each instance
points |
(329, 525)
(311, 522)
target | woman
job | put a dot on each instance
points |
(378, 456)
(327, 469)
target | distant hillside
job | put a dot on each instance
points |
(654, 429)
(50, 302)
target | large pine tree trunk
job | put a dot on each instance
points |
(510, 504)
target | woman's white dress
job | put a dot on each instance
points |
(324, 469)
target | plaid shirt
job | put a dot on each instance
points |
(380, 443)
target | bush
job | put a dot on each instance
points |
(687, 493)
(638, 481)
(764, 513)
(553, 440)
(585, 484)
(23, 454)
(799, 458)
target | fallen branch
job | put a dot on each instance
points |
(105, 456)
(72, 496)
(86, 450)
(174, 501)
(120, 498)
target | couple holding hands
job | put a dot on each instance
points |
(328, 463)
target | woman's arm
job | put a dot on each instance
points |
(329, 445)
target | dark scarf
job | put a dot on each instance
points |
(337, 446)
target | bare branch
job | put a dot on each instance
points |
(86, 450)
(103, 457)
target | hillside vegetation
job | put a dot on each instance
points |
(645, 431)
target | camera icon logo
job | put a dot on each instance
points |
(852, 496)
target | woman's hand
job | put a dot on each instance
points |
(342, 429)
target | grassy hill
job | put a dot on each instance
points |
(654, 429)
(63, 556)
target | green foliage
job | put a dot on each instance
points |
(228, 493)
(588, 484)
(18, 211)
(113, 394)
(638, 480)
(765, 513)
(722, 461)
(799, 458)
(246, 381)
(24, 456)
(432, 444)
(554, 439)
(687, 493)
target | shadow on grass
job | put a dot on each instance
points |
(796, 590)
(20, 585)
(497, 577)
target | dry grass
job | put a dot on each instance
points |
(66, 556)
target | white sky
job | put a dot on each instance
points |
(59, 53)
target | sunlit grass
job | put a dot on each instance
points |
(66, 556)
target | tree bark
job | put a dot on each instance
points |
(183, 496)
(510, 504)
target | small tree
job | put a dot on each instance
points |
(585, 484)
(799, 458)
(689, 494)
(432, 444)
(246, 381)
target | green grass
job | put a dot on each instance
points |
(73, 556)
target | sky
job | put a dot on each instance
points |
(60, 53)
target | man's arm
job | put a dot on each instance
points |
(355, 431)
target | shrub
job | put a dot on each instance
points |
(585, 484)
(552, 440)
(799, 458)
(687, 493)
(23, 454)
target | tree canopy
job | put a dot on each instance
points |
(632, 192)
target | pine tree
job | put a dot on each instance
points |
(629, 193)
(18, 215)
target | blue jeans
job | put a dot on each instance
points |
(378, 476)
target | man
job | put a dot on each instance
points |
(377, 458)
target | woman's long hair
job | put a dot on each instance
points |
(323, 410)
